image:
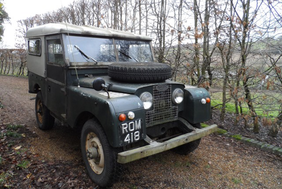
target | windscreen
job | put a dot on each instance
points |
(81, 49)
(133, 51)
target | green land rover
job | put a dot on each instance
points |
(105, 82)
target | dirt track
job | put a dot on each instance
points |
(16, 99)
(219, 162)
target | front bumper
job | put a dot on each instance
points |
(157, 147)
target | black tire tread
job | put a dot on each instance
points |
(189, 147)
(48, 120)
(139, 72)
(113, 169)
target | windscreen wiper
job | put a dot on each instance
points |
(128, 56)
(85, 55)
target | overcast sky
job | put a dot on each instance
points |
(21, 9)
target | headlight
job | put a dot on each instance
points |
(177, 96)
(203, 101)
(147, 100)
(131, 115)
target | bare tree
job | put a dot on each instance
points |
(272, 74)
(245, 22)
(3, 17)
(159, 12)
(190, 36)
(226, 48)
(140, 18)
(196, 43)
(179, 39)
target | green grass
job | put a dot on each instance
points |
(3, 177)
(23, 164)
(204, 125)
(265, 106)
(11, 132)
(16, 75)
(14, 127)
(238, 137)
(188, 164)
(221, 131)
(229, 107)
(236, 181)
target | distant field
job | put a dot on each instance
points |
(267, 104)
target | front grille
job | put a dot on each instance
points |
(163, 109)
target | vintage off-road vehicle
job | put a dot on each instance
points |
(106, 83)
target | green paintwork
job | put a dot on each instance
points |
(195, 111)
(84, 99)
(68, 93)
(106, 111)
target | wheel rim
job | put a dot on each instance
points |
(39, 111)
(94, 153)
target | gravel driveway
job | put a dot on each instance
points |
(219, 162)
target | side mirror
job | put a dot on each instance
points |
(98, 84)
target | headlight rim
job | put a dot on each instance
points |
(144, 100)
(175, 97)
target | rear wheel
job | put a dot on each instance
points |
(189, 147)
(99, 157)
(43, 117)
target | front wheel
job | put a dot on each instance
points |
(43, 117)
(189, 147)
(99, 157)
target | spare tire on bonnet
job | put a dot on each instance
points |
(138, 72)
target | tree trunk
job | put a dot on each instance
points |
(196, 57)
(115, 14)
(147, 10)
(140, 19)
(2, 65)
(12, 64)
(134, 17)
(98, 13)
(245, 48)
(121, 27)
(244, 54)
(161, 31)
(126, 16)
(226, 67)
(179, 40)
(206, 57)
(164, 27)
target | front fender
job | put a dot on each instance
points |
(106, 111)
(126, 130)
(194, 110)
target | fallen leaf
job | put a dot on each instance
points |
(29, 175)
(18, 147)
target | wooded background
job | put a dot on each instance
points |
(230, 46)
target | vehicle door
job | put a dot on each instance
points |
(56, 76)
